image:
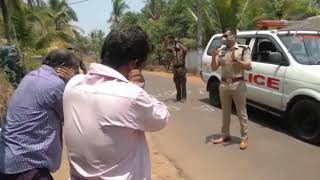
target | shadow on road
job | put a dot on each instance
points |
(169, 100)
(264, 119)
(234, 140)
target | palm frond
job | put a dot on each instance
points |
(54, 4)
(72, 14)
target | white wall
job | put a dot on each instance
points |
(193, 61)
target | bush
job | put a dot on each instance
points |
(32, 58)
(6, 91)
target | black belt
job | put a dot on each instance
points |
(232, 80)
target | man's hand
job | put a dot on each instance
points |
(233, 49)
(65, 73)
(214, 64)
(136, 77)
(213, 52)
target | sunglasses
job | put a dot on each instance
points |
(227, 36)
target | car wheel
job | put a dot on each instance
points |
(214, 98)
(305, 117)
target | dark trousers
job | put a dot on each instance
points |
(181, 86)
(33, 174)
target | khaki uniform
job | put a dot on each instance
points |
(179, 74)
(232, 87)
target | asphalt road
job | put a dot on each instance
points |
(272, 154)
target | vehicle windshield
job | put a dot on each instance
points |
(305, 48)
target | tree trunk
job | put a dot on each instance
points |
(38, 3)
(30, 4)
(199, 23)
(6, 20)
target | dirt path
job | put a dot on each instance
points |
(162, 167)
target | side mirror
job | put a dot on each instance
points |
(275, 57)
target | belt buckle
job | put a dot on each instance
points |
(229, 80)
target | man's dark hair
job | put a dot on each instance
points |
(61, 57)
(123, 45)
(83, 67)
(232, 30)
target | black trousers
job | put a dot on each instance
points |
(181, 86)
(33, 174)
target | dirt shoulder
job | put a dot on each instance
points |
(162, 167)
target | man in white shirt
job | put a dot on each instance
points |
(107, 112)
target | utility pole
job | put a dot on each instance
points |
(199, 31)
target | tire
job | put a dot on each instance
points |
(214, 97)
(305, 119)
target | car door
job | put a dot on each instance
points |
(265, 81)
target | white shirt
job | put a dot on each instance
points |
(105, 119)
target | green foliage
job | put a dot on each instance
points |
(5, 93)
(32, 58)
(96, 39)
(40, 24)
(118, 8)
(35, 27)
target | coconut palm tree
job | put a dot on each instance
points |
(96, 40)
(8, 7)
(278, 9)
(118, 8)
(154, 8)
(37, 27)
(35, 3)
(61, 13)
(217, 15)
(6, 20)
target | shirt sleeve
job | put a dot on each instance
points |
(151, 114)
(56, 100)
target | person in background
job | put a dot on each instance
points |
(179, 52)
(31, 138)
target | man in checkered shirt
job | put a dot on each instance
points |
(31, 141)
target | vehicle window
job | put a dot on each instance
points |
(304, 48)
(262, 49)
(243, 40)
(216, 43)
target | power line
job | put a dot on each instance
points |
(78, 2)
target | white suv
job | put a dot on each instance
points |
(284, 80)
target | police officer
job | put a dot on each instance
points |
(179, 52)
(234, 59)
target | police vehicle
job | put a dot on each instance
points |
(284, 80)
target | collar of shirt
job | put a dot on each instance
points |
(236, 45)
(103, 70)
(224, 47)
(49, 68)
